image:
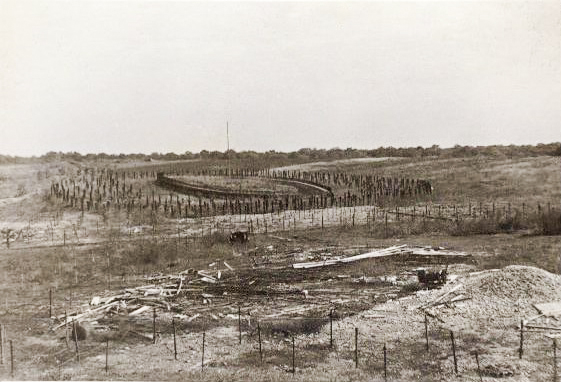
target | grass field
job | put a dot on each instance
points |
(79, 256)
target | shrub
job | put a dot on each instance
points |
(549, 223)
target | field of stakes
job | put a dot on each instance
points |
(259, 317)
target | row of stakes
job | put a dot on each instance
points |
(293, 370)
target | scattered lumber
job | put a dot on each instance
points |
(390, 251)
(228, 266)
(550, 309)
(541, 327)
(439, 252)
(374, 316)
(441, 297)
(134, 301)
(140, 310)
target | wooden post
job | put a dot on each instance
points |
(76, 341)
(454, 352)
(356, 347)
(240, 323)
(554, 360)
(386, 226)
(1, 344)
(478, 367)
(385, 363)
(12, 358)
(154, 326)
(174, 339)
(521, 349)
(331, 328)
(50, 303)
(107, 356)
(203, 357)
(426, 332)
(66, 329)
(293, 357)
(259, 335)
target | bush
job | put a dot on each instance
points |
(549, 223)
(488, 226)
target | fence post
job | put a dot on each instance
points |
(521, 349)
(12, 358)
(240, 323)
(66, 329)
(293, 357)
(154, 325)
(426, 332)
(107, 356)
(331, 328)
(76, 340)
(454, 352)
(174, 339)
(1, 344)
(386, 225)
(356, 347)
(385, 363)
(478, 367)
(203, 357)
(259, 335)
(554, 360)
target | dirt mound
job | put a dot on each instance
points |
(500, 298)
(516, 282)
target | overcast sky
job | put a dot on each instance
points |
(145, 76)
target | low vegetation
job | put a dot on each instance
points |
(499, 204)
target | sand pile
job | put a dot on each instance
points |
(500, 297)
(517, 283)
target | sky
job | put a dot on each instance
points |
(158, 76)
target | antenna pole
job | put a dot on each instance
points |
(228, 147)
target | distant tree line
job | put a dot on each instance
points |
(309, 154)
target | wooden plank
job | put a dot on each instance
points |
(228, 266)
(436, 300)
(140, 310)
(85, 314)
(395, 250)
(180, 285)
(541, 327)
(391, 251)
(549, 308)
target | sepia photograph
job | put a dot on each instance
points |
(280, 190)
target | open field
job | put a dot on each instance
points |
(494, 212)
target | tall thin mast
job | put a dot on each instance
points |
(228, 146)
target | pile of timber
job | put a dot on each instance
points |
(386, 252)
(143, 299)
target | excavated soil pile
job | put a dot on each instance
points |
(515, 282)
(503, 296)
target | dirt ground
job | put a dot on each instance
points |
(80, 256)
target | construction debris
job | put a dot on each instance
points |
(390, 251)
(142, 299)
